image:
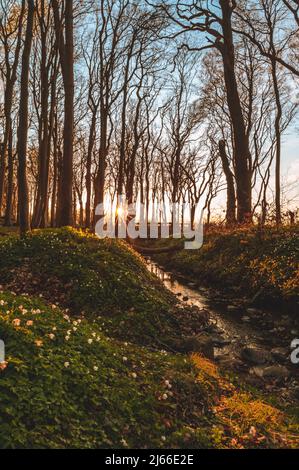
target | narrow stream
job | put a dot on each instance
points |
(234, 329)
(239, 327)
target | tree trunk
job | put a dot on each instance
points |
(231, 195)
(11, 77)
(242, 155)
(278, 144)
(39, 216)
(23, 199)
(10, 182)
(88, 170)
(99, 189)
(65, 216)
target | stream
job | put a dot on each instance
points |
(241, 327)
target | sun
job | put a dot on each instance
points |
(120, 212)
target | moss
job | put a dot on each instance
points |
(100, 278)
(67, 384)
(92, 373)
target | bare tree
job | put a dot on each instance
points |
(66, 49)
(11, 40)
(23, 124)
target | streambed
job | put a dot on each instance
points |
(253, 342)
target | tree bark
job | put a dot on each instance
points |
(66, 48)
(88, 170)
(231, 194)
(23, 198)
(278, 118)
(10, 182)
(40, 210)
(242, 155)
(11, 77)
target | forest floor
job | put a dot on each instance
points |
(100, 355)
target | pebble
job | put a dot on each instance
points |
(274, 372)
(279, 354)
(232, 308)
(253, 311)
(246, 319)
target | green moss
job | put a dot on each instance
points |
(99, 278)
(78, 388)
(92, 373)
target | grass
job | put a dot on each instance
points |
(93, 373)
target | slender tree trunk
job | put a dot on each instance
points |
(8, 99)
(23, 198)
(11, 77)
(54, 189)
(278, 144)
(231, 195)
(10, 182)
(122, 152)
(88, 170)
(39, 217)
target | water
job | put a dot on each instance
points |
(237, 326)
(233, 329)
(238, 334)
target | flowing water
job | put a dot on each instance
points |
(239, 327)
(233, 329)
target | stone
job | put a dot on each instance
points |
(220, 342)
(255, 356)
(272, 372)
(246, 319)
(253, 311)
(279, 354)
(228, 362)
(214, 329)
(258, 296)
(232, 308)
(295, 392)
(200, 343)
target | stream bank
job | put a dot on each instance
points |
(254, 343)
(260, 266)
